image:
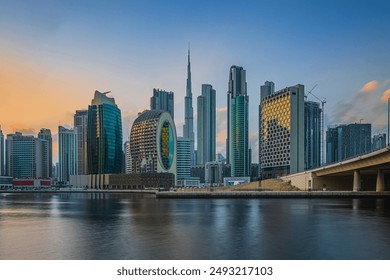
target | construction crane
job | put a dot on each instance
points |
(322, 116)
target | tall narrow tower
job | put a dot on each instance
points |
(188, 128)
(237, 153)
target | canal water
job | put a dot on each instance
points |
(139, 226)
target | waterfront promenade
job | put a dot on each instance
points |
(225, 193)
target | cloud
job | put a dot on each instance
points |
(386, 95)
(370, 86)
(372, 108)
(24, 129)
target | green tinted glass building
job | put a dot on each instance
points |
(104, 136)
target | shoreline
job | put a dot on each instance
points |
(227, 194)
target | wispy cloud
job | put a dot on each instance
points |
(367, 104)
(370, 86)
(386, 95)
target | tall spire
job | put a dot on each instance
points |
(188, 128)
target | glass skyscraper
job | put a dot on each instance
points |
(45, 134)
(2, 170)
(80, 125)
(206, 125)
(104, 136)
(67, 150)
(162, 100)
(26, 156)
(238, 121)
(347, 140)
(312, 135)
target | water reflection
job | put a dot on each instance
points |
(137, 226)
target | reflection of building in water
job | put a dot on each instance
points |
(153, 143)
(133, 181)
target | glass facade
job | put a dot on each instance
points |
(104, 137)
(167, 145)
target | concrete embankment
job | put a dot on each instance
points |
(79, 191)
(273, 194)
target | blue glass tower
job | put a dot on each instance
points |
(237, 153)
(104, 136)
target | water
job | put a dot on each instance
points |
(138, 226)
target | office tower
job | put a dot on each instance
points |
(2, 158)
(45, 134)
(104, 135)
(183, 158)
(378, 141)
(347, 141)
(206, 135)
(312, 135)
(282, 131)
(162, 100)
(80, 126)
(26, 156)
(128, 161)
(213, 173)
(67, 153)
(265, 90)
(237, 123)
(153, 143)
(188, 128)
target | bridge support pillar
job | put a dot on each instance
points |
(356, 181)
(380, 181)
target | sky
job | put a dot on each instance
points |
(55, 54)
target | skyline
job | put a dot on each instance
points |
(54, 55)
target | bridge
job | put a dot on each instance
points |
(368, 172)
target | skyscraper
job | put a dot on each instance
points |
(162, 100)
(153, 144)
(26, 156)
(237, 123)
(281, 131)
(67, 153)
(312, 135)
(80, 125)
(128, 160)
(188, 128)
(183, 158)
(206, 135)
(104, 136)
(347, 140)
(45, 134)
(2, 170)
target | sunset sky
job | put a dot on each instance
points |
(55, 54)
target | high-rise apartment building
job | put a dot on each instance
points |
(104, 136)
(206, 136)
(347, 140)
(153, 143)
(183, 158)
(128, 160)
(80, 126)
(312, 135)
(188, 128)
(45, 134)
(282, 132)
(378, 141)
(162, 100)
(2, 158)
(26, 156)
(237, 143)
(67, 153)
